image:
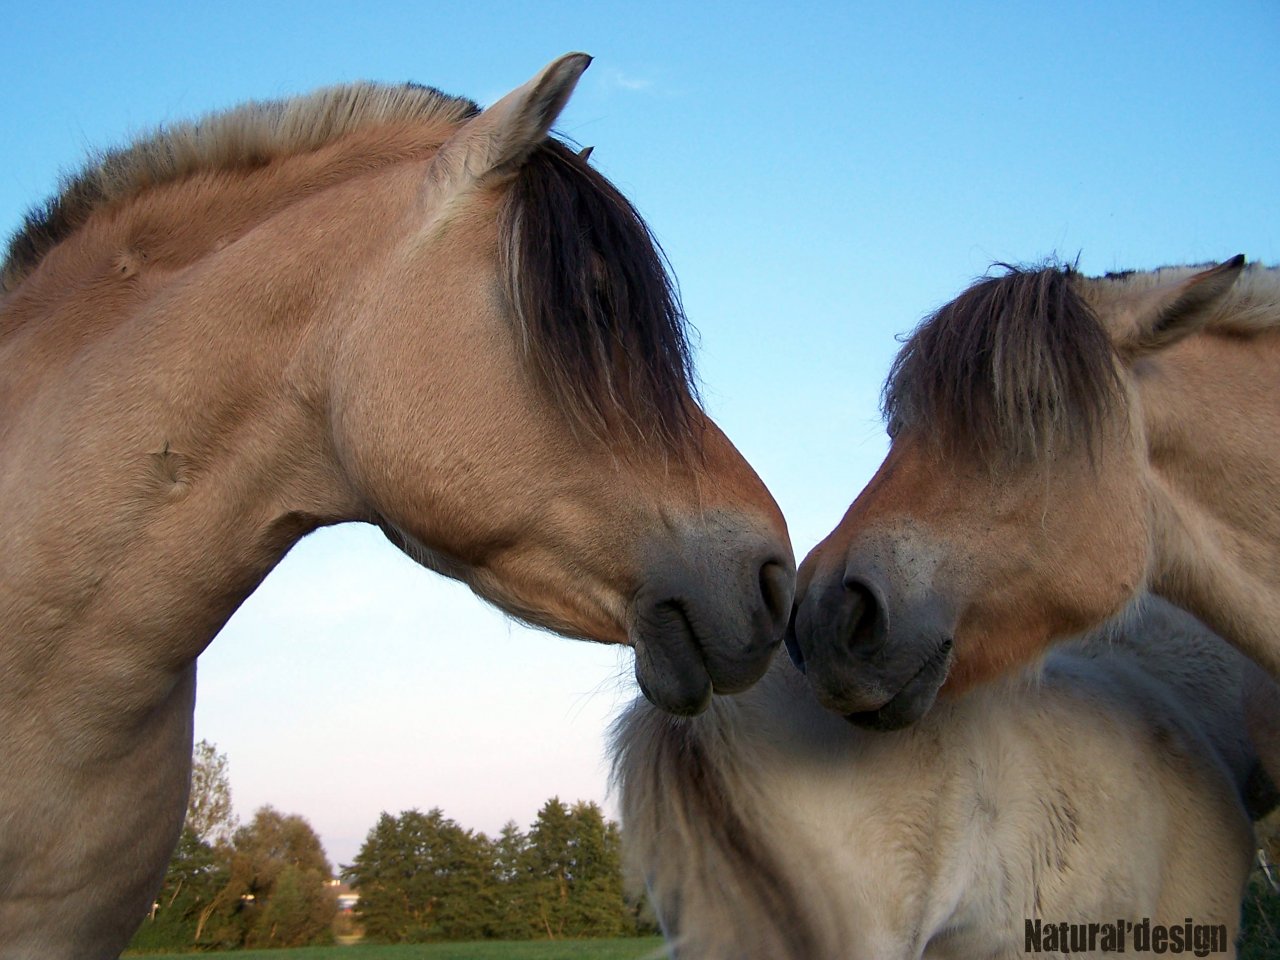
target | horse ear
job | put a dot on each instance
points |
(501, 137)
(1163, 316)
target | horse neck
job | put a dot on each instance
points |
(1212, 415)
(163, 431)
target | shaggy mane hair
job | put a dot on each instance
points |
(597, 311)
(1016, 370)
(245, 137)
(601, 315)
(687, 797)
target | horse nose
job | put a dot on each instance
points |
(709, 620)
(875, 661)
(838, 615)
(777, 583)
(749, 629)
(838, 635)
(863, 617)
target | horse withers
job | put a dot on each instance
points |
(1059, 444)
(1072, 811)
(372, 303)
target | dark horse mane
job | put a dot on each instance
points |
(597, 311)
(601, 315)
(1017, 369)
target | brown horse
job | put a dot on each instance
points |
(371, 303)
(1060, 443)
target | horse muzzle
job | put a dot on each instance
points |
(870, 654)
(709, 619)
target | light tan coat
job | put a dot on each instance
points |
(1107, 787)
(303, 313)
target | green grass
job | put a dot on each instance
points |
(1260, 929)
(631, 948)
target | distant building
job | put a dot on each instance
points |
(346, 897)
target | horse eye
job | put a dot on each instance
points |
(892, 426)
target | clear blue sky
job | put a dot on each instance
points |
(821, 175)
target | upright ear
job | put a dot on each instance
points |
(1160, 317)
(500, 138)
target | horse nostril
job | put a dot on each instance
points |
(776, 588)
(866, 621)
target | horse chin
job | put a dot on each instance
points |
(897, 714)
(912, 701)
(672, 676)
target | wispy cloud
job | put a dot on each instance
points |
(623, 81)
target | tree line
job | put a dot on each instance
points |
(422, 877)
(262, 884)
(419, 877)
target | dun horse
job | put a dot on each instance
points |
(372, 303)
(1110, 787)
(1059, 445)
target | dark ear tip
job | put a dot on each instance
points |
(577, 62)
(1236, 262)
